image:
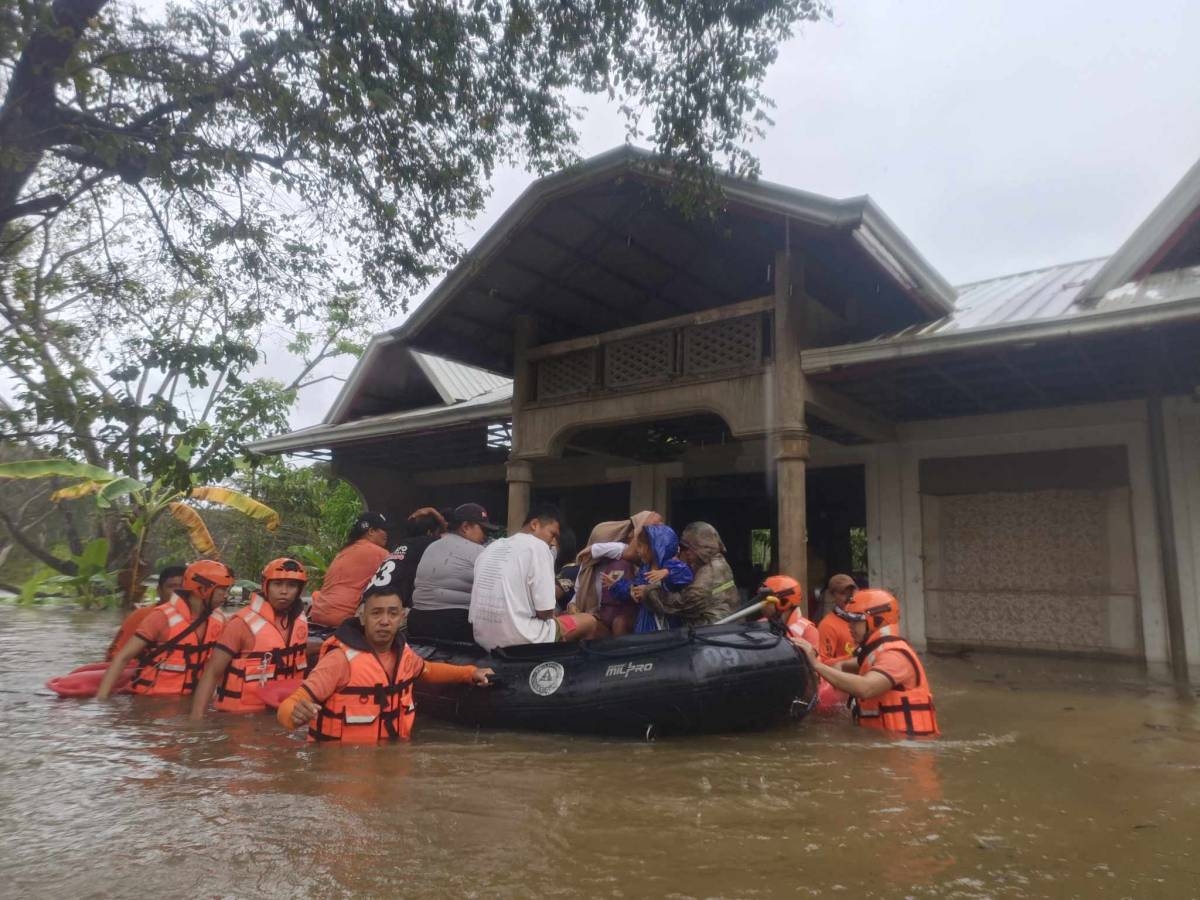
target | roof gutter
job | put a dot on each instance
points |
(830, 359)
(321, 437)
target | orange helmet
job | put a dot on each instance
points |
(786, 590)
(875, 607)
(283, 569)
(206, 575)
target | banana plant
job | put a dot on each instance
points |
(141, 504)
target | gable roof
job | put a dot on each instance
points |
(857, 221)
(1171, 220)
(453, 382)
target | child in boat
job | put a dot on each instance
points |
(656, 548)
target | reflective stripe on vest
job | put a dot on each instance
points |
(374, 704)
(905, 710)
(271, 657)
(173, 665)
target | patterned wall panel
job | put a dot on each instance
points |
(640, 360)
(721, 346)
(566, 376)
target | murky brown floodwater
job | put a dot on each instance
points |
(1052, 780)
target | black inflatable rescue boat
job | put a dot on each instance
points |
(708, 679)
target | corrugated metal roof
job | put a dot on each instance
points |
(456, 382)
(495, 404)
(1033, 305)
(1048, 293)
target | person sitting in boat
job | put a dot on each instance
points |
(566, 570)
(886, 682)
(603, 555)
(788, 608)
(169, 580)
(711, 596)
(656, 549)
(174, 641)
(618, 563)
(363, 553)
(513, 597)
(266, 639)
(837, 643)
(362, 689)
(441, 597)
(422, 529)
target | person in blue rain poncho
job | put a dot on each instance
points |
(657, 548)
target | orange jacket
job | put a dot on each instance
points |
(373, 705)
(173, 665)
(837, 641)
(906, 708)
(344, 581)
(275, 655)
(127, 630)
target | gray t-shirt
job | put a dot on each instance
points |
(445, 574)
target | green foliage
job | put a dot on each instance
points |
(193, 197)
(91, 585)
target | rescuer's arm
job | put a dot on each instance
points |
(213, 673)
(446, 673)
(135, 646)
(331, 673)
(864, 687)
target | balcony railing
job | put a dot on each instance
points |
(727, 340)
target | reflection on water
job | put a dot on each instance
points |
(1052, 780)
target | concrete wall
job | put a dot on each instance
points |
(1182, 426)
(895, 513)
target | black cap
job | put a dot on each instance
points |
(367, 521)
(473, 512)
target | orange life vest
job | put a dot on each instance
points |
(374, 704)
(275, 655)
(173, 666)
(906, 709)
(800, 627)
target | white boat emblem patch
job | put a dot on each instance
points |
(546, 678)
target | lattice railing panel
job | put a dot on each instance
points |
(640, 360)
(732, 344)
(566, 376)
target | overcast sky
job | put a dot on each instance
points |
(999, 136)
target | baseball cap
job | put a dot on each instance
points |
(473, 512)
(839, 583)
(368, 520)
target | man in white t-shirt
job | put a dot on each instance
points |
(513, 599)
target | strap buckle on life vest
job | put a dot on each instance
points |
(265, 672)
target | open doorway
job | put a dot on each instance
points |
(837, 526)
(742, 510)
(583, 506)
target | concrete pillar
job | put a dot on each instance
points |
(519, 475)
(788, 434)
(641, 489)
(791, 468)
(519, 472)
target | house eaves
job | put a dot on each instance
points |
(1150, 240)
(495, 405)
(1160, 299)
(871, 230)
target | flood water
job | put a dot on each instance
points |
(1051, 780)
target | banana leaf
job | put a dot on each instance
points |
(239, 501)
(197, 531)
